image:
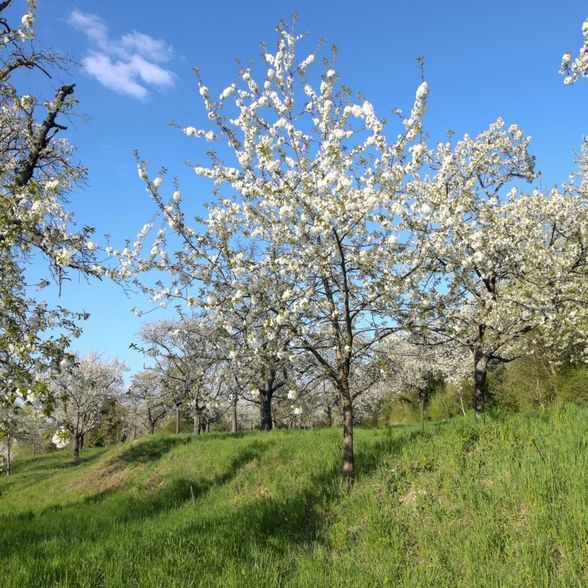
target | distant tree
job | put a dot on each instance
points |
(183, 355)
(83, 389)
(148, 397)
(418, 370)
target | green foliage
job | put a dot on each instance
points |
(186, 423)
(111, 424)
(398, 409)
(441, 401)
(450, 401)
(523, 386)
(531, 383)
(573, 384)
(499, 502)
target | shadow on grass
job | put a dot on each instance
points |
(55, 461)
(151, 449)
(369, 457)
(37, 469)
(102, 513)
(279, 524)
(276, 525)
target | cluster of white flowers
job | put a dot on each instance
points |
(572, 69)
(61, 438)
(413, 124)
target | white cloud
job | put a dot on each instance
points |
(90, 24)
(128, 65)
(154, 49)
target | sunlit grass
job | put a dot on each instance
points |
(496, 503)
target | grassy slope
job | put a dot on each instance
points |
(500, 503)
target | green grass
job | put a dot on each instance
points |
(496, 503)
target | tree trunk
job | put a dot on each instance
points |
(151, 429)
(266, 410)
(77, 446)
(234, 424)
(8, 454)
(348, 458)
(480, 383)
(196, 424)
(178, 419)
(329, 414)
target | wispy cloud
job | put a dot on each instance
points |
(131, 64)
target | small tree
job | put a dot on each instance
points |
(82, 389)
(184, 357)
(148, 397)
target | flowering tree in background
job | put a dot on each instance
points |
(82, 388)
(36, 173)
(184, 356)
(503, 258)
(418, 368)
(148, 399)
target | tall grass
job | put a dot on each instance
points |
(497, 503)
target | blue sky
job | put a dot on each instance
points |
(483, 60)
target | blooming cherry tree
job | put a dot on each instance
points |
(148, 399)
(81, 389)
(503, 258)
(184, 357)
(36, 173)
(316, 190)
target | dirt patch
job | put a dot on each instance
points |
(111, 475)
(411, 497)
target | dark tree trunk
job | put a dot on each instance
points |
(77, 447)
(266, 410)
(234, 423)
(480, 382)
(178, 419)
(8, 454)
(348, 457)
(151, 428)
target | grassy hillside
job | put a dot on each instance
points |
(499, 503)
